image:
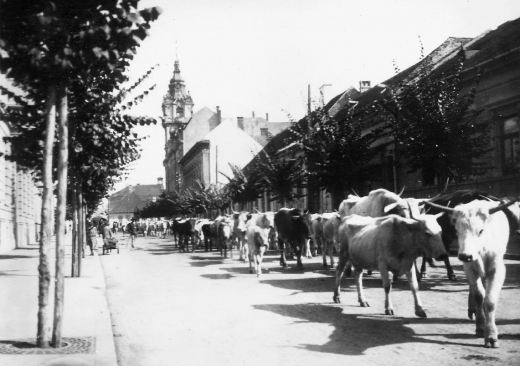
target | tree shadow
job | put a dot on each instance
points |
(355, 334)
(15, 256)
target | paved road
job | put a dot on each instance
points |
(196, 309)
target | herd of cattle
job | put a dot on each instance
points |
(383, 232)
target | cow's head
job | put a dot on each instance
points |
(267, 219)
(239, 221)
(472, 222)
(430, 242)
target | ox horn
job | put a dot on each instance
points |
(257, 210)
(354, 192)
(442, 208)
(501, 207)
(446, 186)
(402, 190)
(411, 213)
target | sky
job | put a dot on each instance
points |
(260, 55)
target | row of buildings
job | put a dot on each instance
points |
(20, 198)
(494, 58)
(200, 145)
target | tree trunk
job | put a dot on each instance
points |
(74, 233)
(63, 155)
(43, 333)
(81, 246)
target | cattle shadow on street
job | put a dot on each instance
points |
(354, 334)
(224, 276)
(206, 262)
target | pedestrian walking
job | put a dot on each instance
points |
(106, 233)
(132, 232)
(92, 235)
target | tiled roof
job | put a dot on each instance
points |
(128, 203)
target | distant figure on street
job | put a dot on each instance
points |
(132, 232)
(92, 234)
(115, 226)
(107, 233)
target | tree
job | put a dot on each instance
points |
(337, 152)
(434, 125)
(242, 188)
(51, 44)
(280, 176)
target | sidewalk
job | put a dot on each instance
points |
(87, 330)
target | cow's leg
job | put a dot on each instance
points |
(333, 244)
(193, 240)
(298, 252)
(451, 273)
(387, 284)
(260, 256)
(476, 297)
(308, 253)
(281, 246)
(340, 273)
(324, 245)
(412, 281)
(251, 258)
(358, 278)
(246, 249)
(495, 281)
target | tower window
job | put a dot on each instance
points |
(263, 132)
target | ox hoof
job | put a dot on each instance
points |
(325, 265)
(251, 271)
(452, 277)
(336, 299)
(389, 312)
(421, 313)
(364, 304)
(471, 313)
(491, 343)
(479, 333)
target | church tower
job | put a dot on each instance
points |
(177, 107)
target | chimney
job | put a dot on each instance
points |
(267, 117)
(160, 181)
(219, 116)
(364, 86)
(240, 122)
(253, 114)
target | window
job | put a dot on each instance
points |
(263, 132)
(510, 145)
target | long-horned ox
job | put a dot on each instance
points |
(483, 232)
(390, 243)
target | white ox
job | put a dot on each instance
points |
(378, 203)
(483, 232)
(258, 228)
(389, 243)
